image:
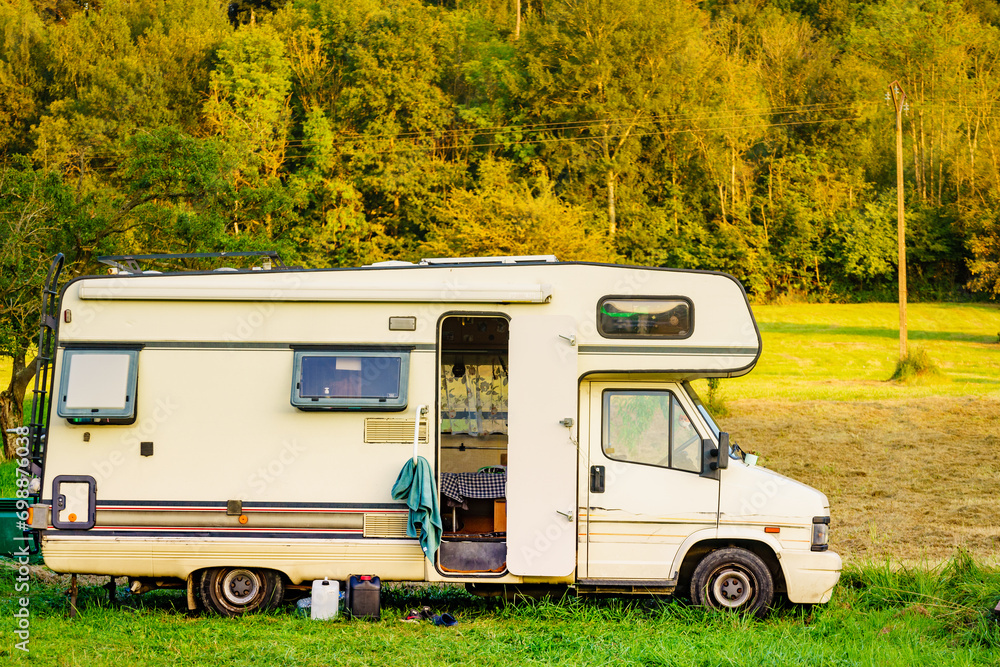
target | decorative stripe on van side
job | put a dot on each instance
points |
(682, 350)
(208, 505)
(124, 531)
(381, 520)
(230, 345)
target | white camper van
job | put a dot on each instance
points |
(240, 432)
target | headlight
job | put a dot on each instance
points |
(821, 533)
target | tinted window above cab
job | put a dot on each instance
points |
(644, 317)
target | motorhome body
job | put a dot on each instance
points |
(241, 431)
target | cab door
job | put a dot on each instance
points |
(647, 489)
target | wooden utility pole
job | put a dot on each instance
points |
(899, 102)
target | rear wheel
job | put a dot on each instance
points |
(735, 579)
(233, 591)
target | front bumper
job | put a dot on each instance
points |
(810, 575)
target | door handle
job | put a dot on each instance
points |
(597, 479)
(568, 515)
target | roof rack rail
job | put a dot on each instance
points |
(510, 259)
(130, 263)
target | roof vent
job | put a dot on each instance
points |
(390, 262)
(512, 259)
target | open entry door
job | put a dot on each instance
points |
(541, 448)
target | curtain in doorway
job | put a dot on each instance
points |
(474, 394)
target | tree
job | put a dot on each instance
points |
(248, 103)
(985, 246)
(22, 78)
(376, 71)
(504, 217)
(31, 210)
(599, 73)
(146, 65)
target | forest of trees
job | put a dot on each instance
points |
(748, 136)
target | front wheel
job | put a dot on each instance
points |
(233, 591)
(735, 579)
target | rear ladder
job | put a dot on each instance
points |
(39, 423)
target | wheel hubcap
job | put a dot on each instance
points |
(732, 588)
(240, 587)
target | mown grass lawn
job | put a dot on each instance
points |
(848, 351)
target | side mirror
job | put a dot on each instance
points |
(721, 455)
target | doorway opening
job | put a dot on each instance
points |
(473, 443)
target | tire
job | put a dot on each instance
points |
(734, 579)
(234, 591)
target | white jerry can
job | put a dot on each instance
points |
(325, 600)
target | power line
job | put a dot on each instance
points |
(689, 130)
(555, 125)
(471, 134)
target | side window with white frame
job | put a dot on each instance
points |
(350, 379)
(650, 427)
(97, 386)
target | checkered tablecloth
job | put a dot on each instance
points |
(461, 485)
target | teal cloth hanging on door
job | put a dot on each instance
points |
(415, 485)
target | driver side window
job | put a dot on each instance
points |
(650, 427)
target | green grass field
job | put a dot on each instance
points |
(846, 352)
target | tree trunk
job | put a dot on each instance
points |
(923, 160)
(673, 192)
(941, 156)
(12, 401)
(972, 137)
(612, 222)
(732, 182)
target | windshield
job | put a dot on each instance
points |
(701, 408)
